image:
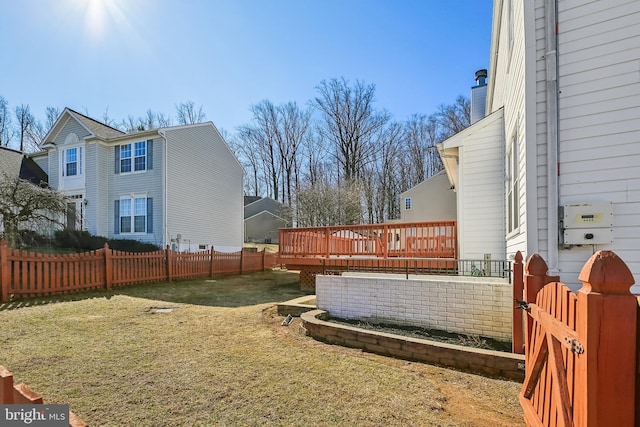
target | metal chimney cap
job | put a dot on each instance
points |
(480, 74)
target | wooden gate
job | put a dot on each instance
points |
(581, 348)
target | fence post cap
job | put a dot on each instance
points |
(518, 257)
(606, 272)
(536, 266)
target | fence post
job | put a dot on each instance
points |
(327, 234)
(108, 267)
(264, 255)
(5, 272)
(517, 338)
(212, 254)
(241, 260)
(534, 280)
(169, 267)
(606, 315)
(385, 241)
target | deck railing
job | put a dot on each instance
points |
(415, 239)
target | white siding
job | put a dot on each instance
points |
(204, 188)
(481, 200)
(599, 81)
(509, 93)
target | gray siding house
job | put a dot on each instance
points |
(431, 200)
(178, 186)
(262, 219)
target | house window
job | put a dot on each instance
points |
(133, 157)
(72, 161)
(407, 203)
(134, 214)
(513, 199)
(125, 158)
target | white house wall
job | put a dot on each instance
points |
(204, 187)
(509, 92)
(599, 82)
(481, 211)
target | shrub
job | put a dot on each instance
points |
(132, 245)
(79, 240)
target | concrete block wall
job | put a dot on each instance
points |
(465, 305)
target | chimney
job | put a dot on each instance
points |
(481, 77)
(479, 96)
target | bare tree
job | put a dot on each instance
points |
(292, 126)
(261, 139)
(51, 114)
(24, 205)
(455, 117)
(421, 137)
(349, 122)
(6, 130)
(324, 204)
(188, 114)
(25, 123)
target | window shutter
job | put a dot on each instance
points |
(117, 159)
(116, 215)
(149, 153)
(149, 215)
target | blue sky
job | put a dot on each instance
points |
(128, 56)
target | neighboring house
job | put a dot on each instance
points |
(431, 200)
(178, 186)
(262, 219)
(15, 164)
(563, 128)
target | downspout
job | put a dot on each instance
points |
(552, 118)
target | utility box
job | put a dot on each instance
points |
(588, 223)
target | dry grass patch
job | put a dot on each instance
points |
(216, 360)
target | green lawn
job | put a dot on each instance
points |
(222, 358)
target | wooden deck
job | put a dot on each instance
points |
(317, 250)
(409, 240)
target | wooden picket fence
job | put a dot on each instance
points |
(581, 348)
(11, 393)
(29, 274)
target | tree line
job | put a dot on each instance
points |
(336, 160)
(339, 160)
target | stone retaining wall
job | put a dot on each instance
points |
(486, 362)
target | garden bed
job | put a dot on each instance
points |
(474, 341)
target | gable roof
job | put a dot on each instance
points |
(94, 127)
(97, 128)
(262, 204)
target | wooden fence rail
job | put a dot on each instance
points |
(29, 274)
(11, 393)
(581, 348)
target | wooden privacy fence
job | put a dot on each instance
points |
(11, 393)
(29, 274)
(581, 348)
(414, 239)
